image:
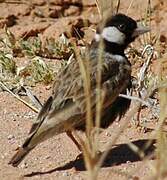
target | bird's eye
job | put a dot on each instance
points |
(122, 27)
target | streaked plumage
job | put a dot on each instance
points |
(66, 108)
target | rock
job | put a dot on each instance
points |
(65, 174)
(24, 165)
(15, 10)
(72, 10)
(89, 3)
(39, 12)
(57, 28)
(10, 137)
(66, 2)
(39, 2)
(22, 31)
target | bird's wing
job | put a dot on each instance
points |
(69, 91)
(69, 83)
(68, 88)
(42, 114)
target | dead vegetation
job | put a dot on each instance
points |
(149, 86)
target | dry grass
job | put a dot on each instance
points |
(147, 82)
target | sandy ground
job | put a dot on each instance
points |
(56, 158)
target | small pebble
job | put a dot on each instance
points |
(47, 157)
(10, 137)
(13, 119)
(24, 165)
(65, 174)
(108, 134)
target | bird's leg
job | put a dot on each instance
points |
(80, 156)
(69, 134)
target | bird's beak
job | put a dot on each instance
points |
(140, 30)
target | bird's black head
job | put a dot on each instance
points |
(117, 32)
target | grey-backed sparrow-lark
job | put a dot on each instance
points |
(65, 109)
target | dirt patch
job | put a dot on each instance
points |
(56, 158)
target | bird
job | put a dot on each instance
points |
(65, 110)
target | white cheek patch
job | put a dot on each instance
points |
(112, 34)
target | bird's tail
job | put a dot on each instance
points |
(30, 143)
(19, 156)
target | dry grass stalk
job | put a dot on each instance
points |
(18, 98)
(161, 151)
(90, 146)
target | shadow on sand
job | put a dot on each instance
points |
(117, 155)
